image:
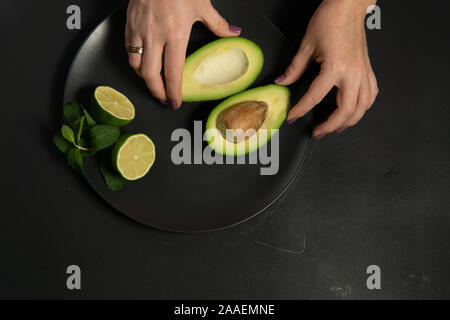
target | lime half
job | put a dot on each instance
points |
(111, 107)
(133, 155)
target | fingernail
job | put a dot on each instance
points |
(280, 78)
(291, 121)
(235, 29)
(162, 101)
(341, 129)
(174, 105)
(320, 136)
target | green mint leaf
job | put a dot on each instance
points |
(61, 143)
(113, 180)
(83, 141)
(89, 120)
(87, 153)
(72, 114)
(80, 129)
(67, 133)
(75, 160)
(103, 136)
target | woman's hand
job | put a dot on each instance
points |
(164, 26)
(336, 39)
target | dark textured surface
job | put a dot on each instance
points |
(376, 194)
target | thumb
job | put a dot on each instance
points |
(218, 25)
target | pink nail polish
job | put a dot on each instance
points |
(291, 121)
(174, 105)
(280, 78)
(320, 136)
(235, 29)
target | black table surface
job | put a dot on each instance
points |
(377, 194)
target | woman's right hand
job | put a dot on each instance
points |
(163, 27)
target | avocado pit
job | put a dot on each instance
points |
(242, 120)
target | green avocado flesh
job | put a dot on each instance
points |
(257, 112)
(220, 69)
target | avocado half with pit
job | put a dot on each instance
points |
(247, 121)
(221, 68)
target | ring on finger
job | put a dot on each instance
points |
(137, 50)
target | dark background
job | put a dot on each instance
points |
(375, 194)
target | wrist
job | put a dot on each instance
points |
(359, 7)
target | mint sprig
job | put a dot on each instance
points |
(112, 179)
(75, 160)
(80, 129)
(69, 135)
(72, 115)
(61, 143)
(80, 136)
(103, 136)
(89, 120)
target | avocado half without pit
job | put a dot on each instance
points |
(220, 69)
(247, 121)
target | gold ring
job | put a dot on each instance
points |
(138, 50)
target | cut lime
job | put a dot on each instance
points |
(111, 107)
(133, 155)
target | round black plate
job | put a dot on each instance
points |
(187, 198)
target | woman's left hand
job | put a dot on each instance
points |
(336, 39)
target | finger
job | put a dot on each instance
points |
(151, 70)
(218, 25)
(373, 82)
(174, 57)
(346, 102)
(319, 88)
(134, 59)
(373, 88)
(297, 67)
(362, 104)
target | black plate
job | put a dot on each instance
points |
(187, 198)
